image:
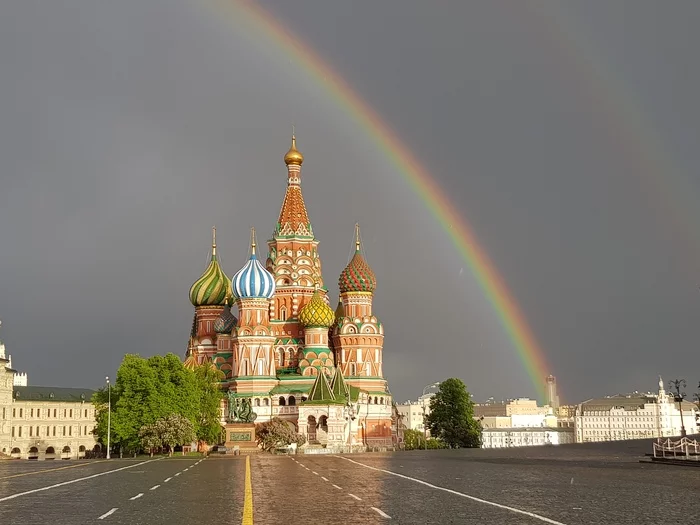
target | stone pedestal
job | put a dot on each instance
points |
(241, 435)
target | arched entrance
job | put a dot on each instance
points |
(322, 430)
(15, 453)
(66, 452)
(311, 429)
(33, 453)
(50, 453)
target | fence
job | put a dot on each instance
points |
(684, 448)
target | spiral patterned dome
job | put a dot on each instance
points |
(226, 321)
(253, 280)
(316, 313)
(213, 287)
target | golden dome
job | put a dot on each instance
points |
(316, 313)
(294, 156)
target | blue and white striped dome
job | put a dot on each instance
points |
(253, 280)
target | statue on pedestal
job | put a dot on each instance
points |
(240, 410)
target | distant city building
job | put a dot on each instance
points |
(43, 422)
(413, 413)
(525, 437)
(634, 416)
(552, 396)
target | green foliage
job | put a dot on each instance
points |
(150, 440)
(277, 433)
(435, 444)
(451, 417)
(413, 439)
(167, 431)
(147, 390)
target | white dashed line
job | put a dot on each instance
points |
(188, 468)
(324, 479)
(301, 465)
(136, 497)
(307, 468)
(339, 488)
(41, 489)
(315, 472)
(380, 512)
(178, 474)
(108, 513)
(154, 487)
(473, 498)
(166, 480)
(358, 498)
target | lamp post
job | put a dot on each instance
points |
(350, 416)
(425, 430)
(109, 413)
(676, 385)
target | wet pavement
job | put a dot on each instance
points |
(601, 484)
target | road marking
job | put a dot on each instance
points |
(248, 496)
(154, 487)
(339, 488)
(41, 471)
(315, 472)
(324, 479)
(136, 497)
(188, 468)
(176, 475)
(166, 480)
(358, 498)
(301, 465)
(380, 512)
(108, 513)
(473, 498)
(307, 468)
(48, 487)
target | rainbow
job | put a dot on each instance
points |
(420, 180)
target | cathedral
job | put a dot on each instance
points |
(288, 354)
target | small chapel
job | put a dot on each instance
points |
(287, 353)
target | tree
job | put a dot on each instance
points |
(150, 439)
(147, 390)
(277, 433)
(175, 430)
(413, 439)
(451, 417)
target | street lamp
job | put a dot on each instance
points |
(676, 385)
(425, 430)
(109, 413)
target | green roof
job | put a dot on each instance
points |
(321, 392)
(52, 393)
(339, 387)
(289, 389)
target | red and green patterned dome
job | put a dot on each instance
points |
(357, 276)
(316, 313)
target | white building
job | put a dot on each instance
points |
(525, 437)
(43, 422)
(413, 413)
(634, 416)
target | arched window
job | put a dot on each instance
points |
(266, 402)
(257, 402)
(292, 401)
(283, 313)
(282, 401)
(280, 357)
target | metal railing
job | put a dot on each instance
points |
(684, 448)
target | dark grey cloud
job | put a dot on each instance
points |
(128, 129)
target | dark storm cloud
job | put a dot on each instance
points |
(128, 129)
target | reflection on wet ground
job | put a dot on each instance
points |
(569, 484)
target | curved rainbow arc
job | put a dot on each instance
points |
(421, 182)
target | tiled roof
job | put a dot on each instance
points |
(51, 393)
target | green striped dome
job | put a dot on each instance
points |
(213, 287)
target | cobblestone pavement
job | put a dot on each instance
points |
(596, 484)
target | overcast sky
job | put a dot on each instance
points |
(565, 133)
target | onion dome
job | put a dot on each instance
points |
(253, 280)
(357, 275)
(213, 287)
(316, 313)
(226, 321)
(293, 156)
(191, 362)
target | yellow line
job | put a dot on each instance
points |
(248, 498)
(41, 471)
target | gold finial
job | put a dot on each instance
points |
(293, 156)
(213, 241)
(252, 240)
(357, 237)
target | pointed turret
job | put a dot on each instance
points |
(321, 391)
(294, 220)
(357, 275)
(339, 387)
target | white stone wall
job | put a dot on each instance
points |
(45, 424)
